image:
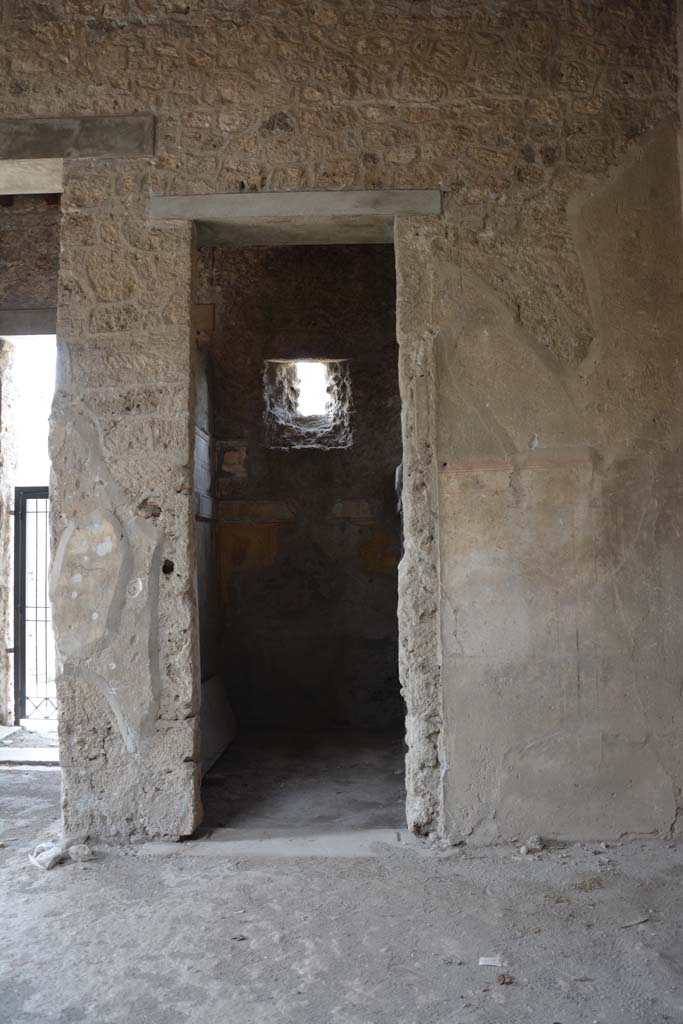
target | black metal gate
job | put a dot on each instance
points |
(34, 650)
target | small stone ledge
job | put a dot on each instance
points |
(31, 177)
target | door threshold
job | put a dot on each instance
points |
(243, 842)
(29, 756)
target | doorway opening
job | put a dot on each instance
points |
(29, 663)
(298, 441)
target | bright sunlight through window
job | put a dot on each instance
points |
(33, 377)
(313, 397)
(307, 403)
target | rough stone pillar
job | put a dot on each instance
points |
(418, 594)
(122, 511)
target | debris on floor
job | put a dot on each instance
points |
(490, 961)
(638, 920)
(534, 844)
(18, 736)
(49, 855)
(390, 937)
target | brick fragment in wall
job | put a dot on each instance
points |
(233, 463)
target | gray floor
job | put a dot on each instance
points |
(17, 736)
(588, 934)
(333, 781)
(22, 746)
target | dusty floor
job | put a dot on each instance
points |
(16, 736)
(328, 781)
(390, 939)
(23, 746)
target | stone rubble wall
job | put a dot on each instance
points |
(29, 261)
(511, 109)
(123, 512)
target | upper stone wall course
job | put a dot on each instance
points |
(510, 107)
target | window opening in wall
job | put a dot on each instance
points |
(28, 381)
(307, 403)
(312, 398)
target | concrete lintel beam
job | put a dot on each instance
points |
(296, 218)
(42, 138)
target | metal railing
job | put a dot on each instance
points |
(34, 648)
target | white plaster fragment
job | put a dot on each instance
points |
(74, 595)
(105, 547)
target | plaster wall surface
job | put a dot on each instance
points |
(560, 552)
(513, 110)
(308, 540)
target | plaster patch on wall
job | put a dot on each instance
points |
(576, 771)
(359, 510)
(379, 553)
(233, 462)
(266, 510)
(104, 591)
(91, 570)
(245, 547)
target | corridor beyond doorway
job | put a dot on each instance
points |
(298, 538)
(28, 381)
(286, 781)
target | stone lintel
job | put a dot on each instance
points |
(28, 321)
(296, 218)
(42, 138)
